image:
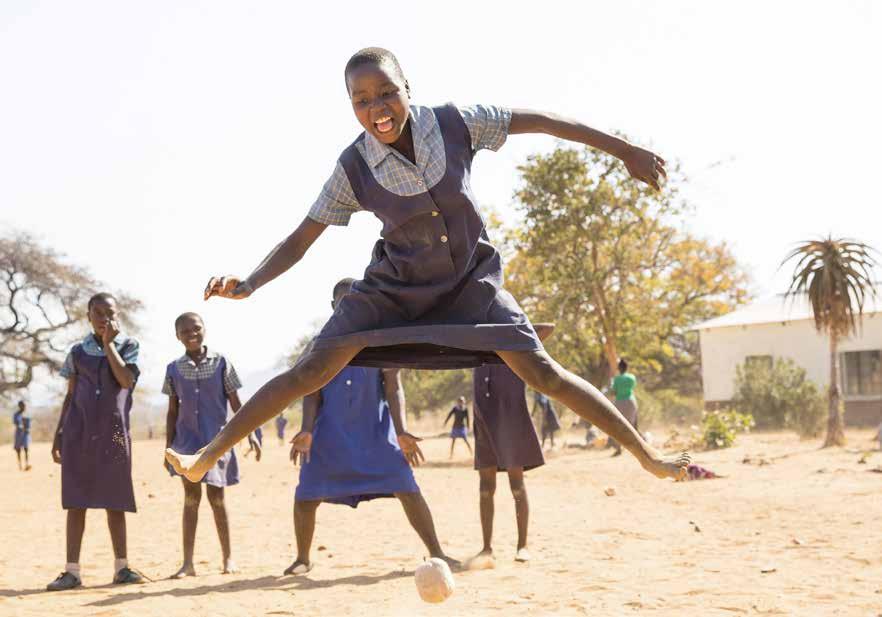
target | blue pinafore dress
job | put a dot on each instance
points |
(432, 296)
(22, 424)
(355, 454)
(96, 447)
(202, 413)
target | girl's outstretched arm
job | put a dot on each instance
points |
(287, 253)
(642, 164)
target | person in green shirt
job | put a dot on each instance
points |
(623, 386)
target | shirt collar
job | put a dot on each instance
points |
(91, 346)
(209, 354)
(422, 120)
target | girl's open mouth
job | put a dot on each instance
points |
(384, 124)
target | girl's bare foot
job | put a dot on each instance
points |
(298, 567)
(482, 561)
(229, 566)
(668, 467)
(186, 570)
(191, 466)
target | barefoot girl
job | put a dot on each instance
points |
(505, 440)
(199, 386)
(434, 280)
(354, 446)
(92, 442)
(460, 430)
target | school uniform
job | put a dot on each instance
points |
(22, 439)
(96, 444)
(281, 421)
(202, 391)
(505, 437)
(550, 419)
(432, 295)
(355, 454)
(460, 418)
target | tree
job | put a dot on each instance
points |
(605, 258)
(836, 276)
(43, 310)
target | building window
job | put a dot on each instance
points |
(862, 373)
(763, 363)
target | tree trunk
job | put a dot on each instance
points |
(835, 425)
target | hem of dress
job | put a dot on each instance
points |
(469, 337)
(66, 506)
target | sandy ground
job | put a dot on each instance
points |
(797, 536)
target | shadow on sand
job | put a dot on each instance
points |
(284, 583)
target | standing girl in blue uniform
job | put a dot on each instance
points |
(92, 442)
(200, 384)
(460, 429)
(434, 282)
(354, 446)
(22, 441)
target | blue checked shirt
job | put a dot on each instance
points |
(487, 124)
(130, 350)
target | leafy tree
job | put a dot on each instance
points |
(836, 275)
(605, 259)
(43, 309)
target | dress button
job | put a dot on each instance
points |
(487, 395)
(348, 382)
(487, 379)
(443, 238)
(419, 183)
(197, 390)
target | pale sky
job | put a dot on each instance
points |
(158, 143)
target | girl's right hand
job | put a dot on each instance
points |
(228, 287)
(300, 446)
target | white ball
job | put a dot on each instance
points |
(434, 580)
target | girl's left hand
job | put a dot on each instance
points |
(411, 449)
(645, 166)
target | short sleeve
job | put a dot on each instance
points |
(487, 124)
(168, 385)
(231, 378)
(129, 351)
(68, 369)
(336, 203)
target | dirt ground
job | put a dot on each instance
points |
(795, 531)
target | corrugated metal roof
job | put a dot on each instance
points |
(777, 309)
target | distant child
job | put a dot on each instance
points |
(623, 386)
(353, 446)
(255, 443)
(505, 440)
(200, 385)
(92, 442)
(22, 440)
(460, 430)
(548, 417)
(281, 422)
(434, 280)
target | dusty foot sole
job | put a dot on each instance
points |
(481, 561)
(184, 572)
(297, 568)
(184, 464)
(522, 556)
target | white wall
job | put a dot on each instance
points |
(722, 349)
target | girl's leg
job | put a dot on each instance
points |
(542, 373)
(116, 523)
(420, 518)
(468, 445)
(311, 371)
(18, 456)
(192, 498)
(452, 443)
(222, 522)
(76, 525)
(304, 530)
(522, 506)
(487, 491)
(27, 460)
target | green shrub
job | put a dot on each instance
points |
(719, 428)
(780, 396)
